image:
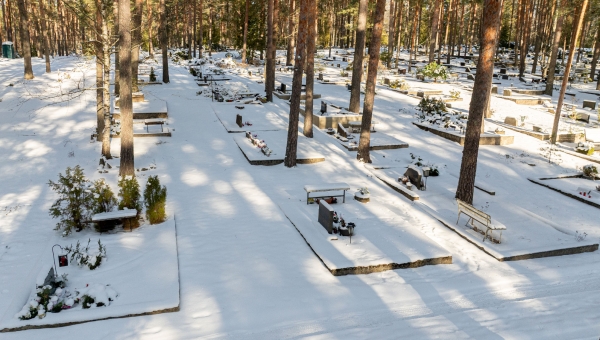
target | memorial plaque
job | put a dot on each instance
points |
(326, 216)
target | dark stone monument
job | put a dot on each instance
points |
(342, 130)
(502, 71)
(505, 76)
(238, 120)
(401, 71)
(323, 107)
(349, 87)
(326, 216)
(589, 103)
(334, 58)
(320, 77)
(462, 63)
(283, 87)
(470, 77)
(415, 176)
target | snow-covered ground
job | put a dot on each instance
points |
(245, 271)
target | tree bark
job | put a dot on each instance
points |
(492, 13)
(125, 103)
(25, 42)
(244, 61)
(291, 31)
(44, 26)
(596, 53)
(292, 139)
(555, 44)
(201, 29)
(434, 29)
(270, 64)
(359, 52)
(99, 73)
(136, 43)
(577, 23)
(106, 46)
(310, 67)
(374, 48)
(392, 23)
(164, 40)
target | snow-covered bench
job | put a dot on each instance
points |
(154, 121)
(475, 214)
(114, 215)
(326, 190)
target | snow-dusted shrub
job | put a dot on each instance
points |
(50, 298)
(129, 192)
(95, 295)
(103, 197)
(74, 204)
(152, 75)
(590, 170)
(431, 106)
(84, 257)
(434, 71)
(155, 198)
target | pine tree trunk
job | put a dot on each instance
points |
(125, 102)
(164, 39)
(270, 64)
(291, 149)
(25, 43)
(106, 46)
(150, 22)
(136, 42)
(577, 23)
(364, 143)
(244, 61)
(291, 31)
(359, 52)
(99, 73)
(392, 23)
(492, 10)
(596, 53)
(434, 29)
(201, 29)
(555, 44)
(310, 67)
(44, 26)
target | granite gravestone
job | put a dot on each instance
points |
(414, 175)
(326, 216)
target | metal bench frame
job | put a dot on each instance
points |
(475, 214)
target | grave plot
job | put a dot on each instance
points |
(432, 115)
(268, 148)
(151, 127)
(138, 276)
(329, 115)
(143, 108)
(381, 239)
(580, 187)
(349, 136)
(520, 234)
(251, 118)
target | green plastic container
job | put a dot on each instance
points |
(8, 50)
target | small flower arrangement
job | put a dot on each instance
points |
(590, 170)
(454, 94)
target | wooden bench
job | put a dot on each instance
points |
(114, 215)
(476, 215)
(154, 121)
(326, 190)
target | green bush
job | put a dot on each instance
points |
(75, 202)
(152, 75)
(155, 198)
(103, 201)
(434, 71)
(432, 106)
(129, 192)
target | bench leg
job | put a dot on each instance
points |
(307, 198)
(460, 212)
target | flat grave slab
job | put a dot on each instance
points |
(131, 266)
(379, 141)
(577, 187)
(149, 108)
(259, 116)
(382, 241)
(308, 149)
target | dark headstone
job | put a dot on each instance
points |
(349, 87)
(502, 71)
(470, 77)
(238, 120)
(320, 76)
(338, 65)
(283, 87)
(462, 63)
(589, 103)
(505, 76)
(323, 107)
(326, 216)
(415, 176)
(401, 71)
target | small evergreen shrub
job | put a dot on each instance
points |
(152, 75)
(75, 202)
(129, 192)
(434, 71)
(103, 201)
(155, 198)
(431, 106)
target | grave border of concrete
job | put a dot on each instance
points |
(538, 181)
(485, 139)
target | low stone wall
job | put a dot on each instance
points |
(324, 122)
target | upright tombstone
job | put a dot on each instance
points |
(323, 107)
(589, 103)
(342, 130)
(326, 216)
(495, 89)
(414, 175)
(502, 71)
(238, 120)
